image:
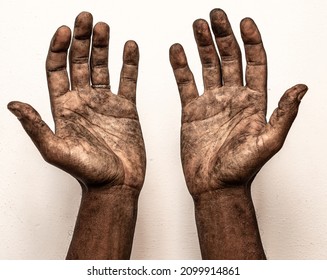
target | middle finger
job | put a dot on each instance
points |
(79, 51)
(229, 49)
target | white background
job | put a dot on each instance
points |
(39, 203)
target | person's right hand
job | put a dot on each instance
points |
(97, 138)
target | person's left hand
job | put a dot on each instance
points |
(225, 137)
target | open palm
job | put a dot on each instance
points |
(97, 137)
(225, 138)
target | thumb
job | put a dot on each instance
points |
(282, 118)
(36, 128)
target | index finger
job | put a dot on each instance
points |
(56, 63)
(229, 50)
(256, 68)
(80, 50)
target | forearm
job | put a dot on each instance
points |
(227, 225)
(105, 224)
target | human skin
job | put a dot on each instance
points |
(97, 138)
(225, 137)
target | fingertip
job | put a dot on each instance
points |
(297, 92)
(64, 29)
(131, 52)
(217, 13)
(23, 111)
(301, 87)
(131, 44)
(177, 56)
(61, 39)
(175, 48)
(101, 34)
(219, 23)
(284, 115)
(249, 31)
(83, 25)
(301, 90)
(15, 108)
(202, 32)
(101, 27)
(246, 24)
(84, 15)
(246, 21)
(32, 123)
(11, 105)
(199, 23)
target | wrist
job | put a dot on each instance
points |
(110, 192)
(227, 225)
(105, 224)
(224, 194)
(110, 200)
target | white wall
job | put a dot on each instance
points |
(39, 203)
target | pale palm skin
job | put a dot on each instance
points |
(97, 138)
(225, 137)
